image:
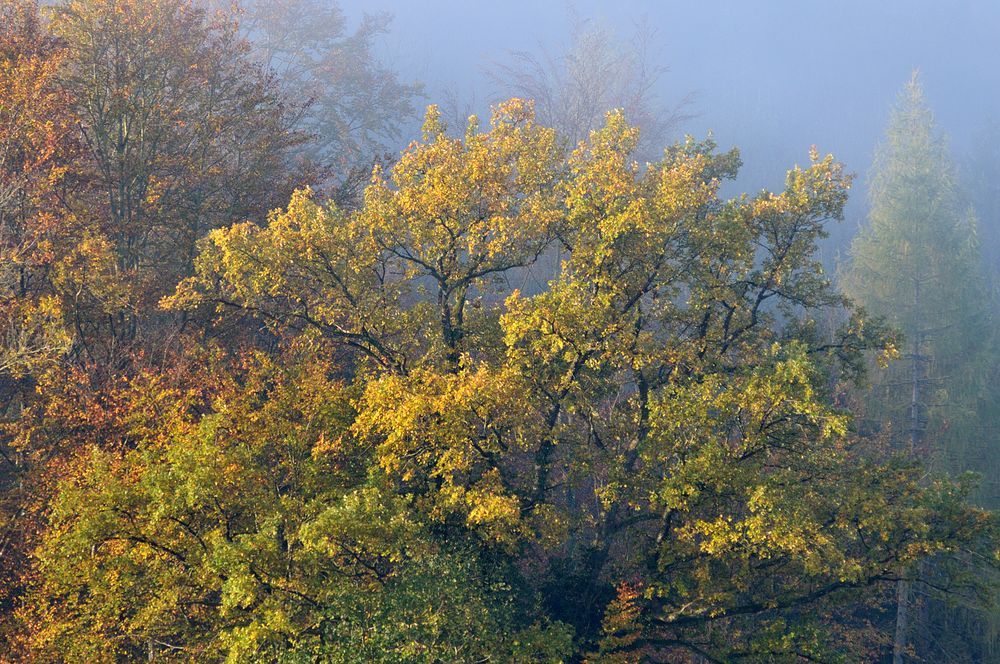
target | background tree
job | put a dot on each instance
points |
(598, 69)
(355, 109)
(980, 170)
(184, 134)
(917, 263)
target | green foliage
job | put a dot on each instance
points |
(249, 532)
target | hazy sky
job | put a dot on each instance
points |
(771, 77)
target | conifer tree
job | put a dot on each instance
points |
(917, 265)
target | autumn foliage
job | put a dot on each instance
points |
(512, 403)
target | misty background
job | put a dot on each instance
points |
(771, 78)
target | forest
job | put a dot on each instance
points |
(304, 361)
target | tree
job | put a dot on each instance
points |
(597, 70)
(981, 179)
(355, 108)
(641, 462)
(240, 527)
(917, 263)
(127, 130)
(184, 134)
(37, 156)
(36, 151)
(574, 85)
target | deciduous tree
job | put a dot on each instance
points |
(598, 69)
(184, 134)
(37, 156)
(646, 452)
(355, 108)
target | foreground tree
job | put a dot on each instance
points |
(917, 263)
(127, 130)
(37, 157)
(639, 463)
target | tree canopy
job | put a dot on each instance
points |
(641, 461)
(516, 398)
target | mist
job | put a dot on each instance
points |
(447, 331)
(771, 78)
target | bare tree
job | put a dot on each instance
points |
(355, 107)
(595, 72)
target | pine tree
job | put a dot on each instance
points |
(917, 265)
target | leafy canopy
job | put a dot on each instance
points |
(637, 460)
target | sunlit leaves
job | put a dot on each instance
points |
(638, 458)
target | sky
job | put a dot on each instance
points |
(772, 77)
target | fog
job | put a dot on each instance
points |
(771, 78)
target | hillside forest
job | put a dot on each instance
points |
(299, 364)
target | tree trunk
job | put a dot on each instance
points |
(902, 620)
(903, 585)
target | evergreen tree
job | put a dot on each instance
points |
(917, 265)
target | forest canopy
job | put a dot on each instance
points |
(510, 396)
